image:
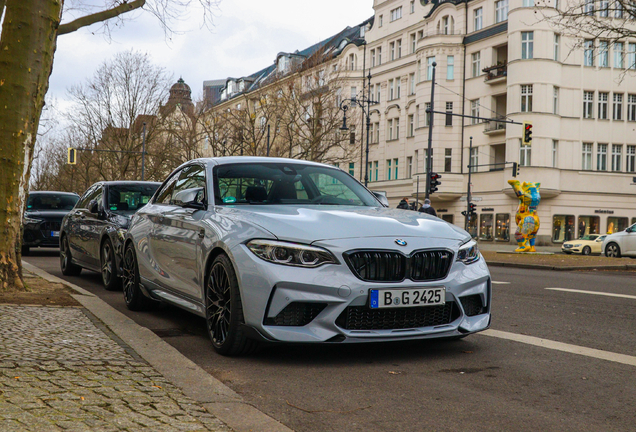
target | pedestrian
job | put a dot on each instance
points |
(404, 204)
(428, 208)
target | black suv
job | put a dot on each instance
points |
(92, 233)
(43, 218)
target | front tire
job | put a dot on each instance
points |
(613, 251)
(586, 250)
(66, 260)
(224, 311)
(133, 297)
(110, 279)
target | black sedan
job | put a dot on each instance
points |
(43, 218)
(92, 233)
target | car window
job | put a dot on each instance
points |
(190, 185)
(165, 193)
(83, 201)
(126, 199)
(51, 201)
(288, 184)
(97, 195)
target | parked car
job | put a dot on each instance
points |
(622, 243)
(43, 218)
(588, 244)
(283, 250)
(92, 233)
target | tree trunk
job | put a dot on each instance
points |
(27, 46)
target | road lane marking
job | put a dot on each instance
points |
(593, 292)
(500, 283)
(560, 346)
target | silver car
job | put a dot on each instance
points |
(283, 250)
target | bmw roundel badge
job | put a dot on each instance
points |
(400, 242)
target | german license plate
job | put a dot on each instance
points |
(411, 297)
(55, 233)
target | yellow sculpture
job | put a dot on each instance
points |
(526, 218)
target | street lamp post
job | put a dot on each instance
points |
(364, 103)
(429, 112)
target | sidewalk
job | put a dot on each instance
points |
(89, 368)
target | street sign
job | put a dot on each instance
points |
(474, 199)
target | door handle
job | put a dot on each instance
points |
(201, 233)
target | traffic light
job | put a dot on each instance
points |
(527, 133)
(72, 156)
(515, 169)
(434, 182)
(472, 208)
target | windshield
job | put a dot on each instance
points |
(127, 199)
(51, 202)
(590, 237)
(287, 184)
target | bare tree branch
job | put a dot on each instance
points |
(99, 16)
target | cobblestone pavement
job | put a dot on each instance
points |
(61, 369)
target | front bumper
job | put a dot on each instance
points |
(330, 304)
(45, 234)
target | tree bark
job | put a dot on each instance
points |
(27, 47)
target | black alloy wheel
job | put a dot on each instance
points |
(586, 250)
(224, 311)
(134, 298)
(613, 251)
(109, 267)
(66, 263)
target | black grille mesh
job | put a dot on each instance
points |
(393, 266)
(51, 226)
(363, 318)
(472, 305)
(296, 314)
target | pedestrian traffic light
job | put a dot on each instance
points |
(434, 182)
(515, 169)
(527, 133)
(72, 156)
(472, 208)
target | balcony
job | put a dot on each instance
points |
(493, 127)
(496, 73)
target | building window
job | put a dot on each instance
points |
(485, 226)
(603, 8)
(589, 7)
(528, 3)
(378, 51)
(396, 14)
(427, 119)
(449, 110)
(376, 170)
(525, 155)
(413, 43)
(380, 20)
(476, 60)
(450, 67)
(557, 43)
(398, 48)
(603, 54)
(601, 157)
(371, 131)
(388, 169)
(526, 98)
(409, 167)
(562, 228)
(631, 107)
(502, 227)
(616, 224)
(352, 168)
(398, 87)
(589, 225)
(396, 121)
(631, 159)
(588, 53)
(372, 53)
(389, 127)
(376, 138)
(617, 153)
(391, 89)
(447, 25)
(555, 153)
(588, 104)
(474, 159)
(411, 125)
(619, 56)
(527, 42)
(354, 92)
(618, 10)
(501, 10)
(429, 68)
(478, 18)
(412, 83)
(617, 107)
(586, 162)
(448, 160)
(392, 51)
(631, 55)
(555, 100)
(412, 6)
(474, 111)
(378, 90)
(602, 105)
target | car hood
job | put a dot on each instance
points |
(313, 223)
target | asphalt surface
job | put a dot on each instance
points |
(484, 382)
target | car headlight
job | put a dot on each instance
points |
(468, 252)
(28, 220)
(577, 245)
(291, 254)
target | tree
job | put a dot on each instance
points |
(30, 29)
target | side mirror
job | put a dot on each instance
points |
(93, 207)
(191, 198)
(382, 198)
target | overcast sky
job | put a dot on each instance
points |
(246, 38)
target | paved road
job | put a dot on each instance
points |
(481, 383)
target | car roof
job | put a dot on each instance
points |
(226, 160)
(128, 182)
(52, 193)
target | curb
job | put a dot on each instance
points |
(217, 398)
(560, 268)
